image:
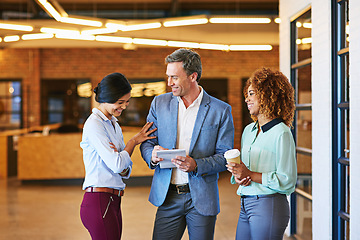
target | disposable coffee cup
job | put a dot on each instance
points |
(232, 155)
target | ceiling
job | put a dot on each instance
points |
(30, 12)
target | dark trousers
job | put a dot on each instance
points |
(101, 215)
(263, 218)
(176, 213)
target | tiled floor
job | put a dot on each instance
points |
(51, 212)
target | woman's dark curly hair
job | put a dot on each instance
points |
(275, 93)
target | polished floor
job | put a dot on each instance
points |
(51, 211)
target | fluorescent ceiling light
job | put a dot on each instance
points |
(183, 44)
(239, 20)
(153, 42)
(298, 24)
(114, 39)
(141, 26)
(18, 27)
(306, 40)
(99, 31)
(12, 38)
(50, 9)
(75, 36)
(250, 47)
(36, 36)
(116, 26)
(59, 31)
(277, 20)
(307, 25)
(0, 39)
(80, 21)
(185, 22)
(214, 46)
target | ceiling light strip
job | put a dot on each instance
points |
(144, 26)
(183, 44)
(250, 47)
(99, 31)
(59, 31)
(238, 20)
(50, 9)
(114, 39)
(36, 36)
(17, 27)
(152, 42)
(12, 38)
(186, 22)
(211, 46)
(75, 36)
(208, 46)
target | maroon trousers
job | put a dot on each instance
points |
(101, 215)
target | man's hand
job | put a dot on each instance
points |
(154, 159)
(185, 164)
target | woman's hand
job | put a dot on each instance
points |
(243, 182)
(241, 172)
(140, 137)
(143, 135)
(113, 147)
(238, 170)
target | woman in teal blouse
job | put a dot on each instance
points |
(267, 171)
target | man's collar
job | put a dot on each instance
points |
(198, 99)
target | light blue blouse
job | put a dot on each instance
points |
(271, 153)
(102, 163)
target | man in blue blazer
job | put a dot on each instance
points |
(187, 118)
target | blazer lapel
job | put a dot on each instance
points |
(200, 118)
(173, 118)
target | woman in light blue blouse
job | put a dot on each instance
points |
(267, 172)
(107, 159)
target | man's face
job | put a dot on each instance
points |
(178, 79)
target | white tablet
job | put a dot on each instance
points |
(167, 155)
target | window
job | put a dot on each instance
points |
(341, 124)
(65, 101)
(301, 200)
(10, 105)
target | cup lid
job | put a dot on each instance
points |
(233, 153)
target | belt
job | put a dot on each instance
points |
(261, 196)
(180, 188)
(119, 193)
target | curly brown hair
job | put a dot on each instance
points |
(275, 93)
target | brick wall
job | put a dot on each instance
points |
(32, 65)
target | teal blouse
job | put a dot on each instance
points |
(271, 153)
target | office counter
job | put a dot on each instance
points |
(59, 156)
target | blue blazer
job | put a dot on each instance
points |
(213, 134)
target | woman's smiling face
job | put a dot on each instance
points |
(115, 109)
(252, 101)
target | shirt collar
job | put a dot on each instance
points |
(268, 125)
(197, 100)
(102, 115)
